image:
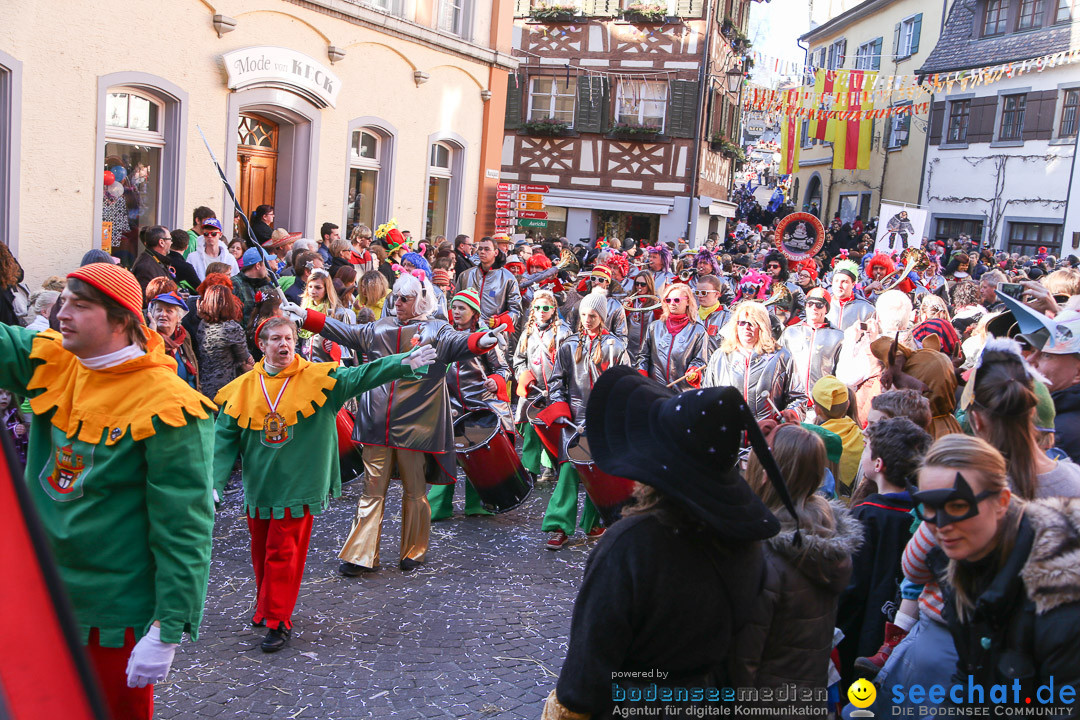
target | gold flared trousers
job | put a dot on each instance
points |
(362, 545)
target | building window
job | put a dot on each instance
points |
(642, 103)
(552, 98)
(1070, 107)
(1063, 14)
(804, 134)
(907, 37)
(364, 167)
(868, 56)
(451, 16)
(1031, 14)
(394, 7)
(996, 16)
(899, 130)
(440, 177)
(1026, 237)
(959, 114)
(836, 55)
(1012, 117)
(134, 144)
(952, 228)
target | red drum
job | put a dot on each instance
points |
(349, 452)
(486, 452)
(608, 493)
(550, 435)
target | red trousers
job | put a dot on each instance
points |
(110, 666)
(278, 552)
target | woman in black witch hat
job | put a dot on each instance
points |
(669, 584)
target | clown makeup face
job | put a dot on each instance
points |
(464, 316)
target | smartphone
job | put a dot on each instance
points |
(1013, 290)
(863, 326)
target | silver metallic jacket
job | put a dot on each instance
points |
(666, 358)
(814, 350)
(498, 290)
(714, 323)
(465, 381)
(637, 324)
(407, 414)
(533, 354)
(766, 376)
(844, 316)
(616, 317)
(572, 380)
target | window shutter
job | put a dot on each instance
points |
(896, 41)
(682, 108)
(606, 8)
(841, 53)
(522, 7)
(875, 61)
(689, 8)
(514, 94)
(1044, 126)
(590, 101)
(937, 119)
(916, 30)
(1032, 109)
(981, 119)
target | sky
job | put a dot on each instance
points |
(775, 28)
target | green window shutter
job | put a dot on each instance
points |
(514, 93)
(522, 7)
(916, 30)
(876, 60)
(590, 102)
(896, 41)
(689, 8)
(682, 108)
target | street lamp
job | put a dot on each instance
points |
(734, 80)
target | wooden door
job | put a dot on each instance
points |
(257, 156)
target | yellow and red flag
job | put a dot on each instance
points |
(855, 128)
(790, 143)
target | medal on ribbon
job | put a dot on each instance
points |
(275, 430)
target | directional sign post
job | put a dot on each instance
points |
(508, 186)
(533, 188)
(533, 214)
(529, 223)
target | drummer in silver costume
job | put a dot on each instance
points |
(814, 344)
(500, 296)
(750, 360)
(637, 322)
(600, 281)
(407, 422)
(578, 364)
(534, 364)
(711, 309)
(676, 345)
(846, 307)
(477, 382)
(660, 265)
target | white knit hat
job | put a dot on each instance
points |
(597, 302)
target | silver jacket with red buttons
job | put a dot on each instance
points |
(844, 316)
(666, 358)
(572, 380)
(761, 377)
(815, 351)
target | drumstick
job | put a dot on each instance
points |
(675, 382)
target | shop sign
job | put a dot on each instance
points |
(278, 67)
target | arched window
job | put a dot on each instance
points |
(365, 165)
(440, 186)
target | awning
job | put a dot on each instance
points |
(616, 202)
(723, 209)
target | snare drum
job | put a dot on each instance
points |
(349, 452)
(486, 452)
(608, 493)
(550, 435)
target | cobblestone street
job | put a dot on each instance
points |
(479, 631)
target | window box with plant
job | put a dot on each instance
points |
(721, 144)
(554, 12)
(631, 131)
(646, 12)
(547, 127)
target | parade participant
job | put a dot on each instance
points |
(534, 363)
(680, 574)
(579, 362)
(118, 469)
(637, 322)
(475, 383)
(165, 313)
(676, 346)
(500, 295)
(776, 265)
(600, 281)
(1010, 594)
(846, 309)
(706, 263)
(660, 265)
(406, 423)
(814, 344)
(878, 268)
(932, 307)
(711, 310)
(831, 404)
(749, 359)
(279, 419)
(807, 277)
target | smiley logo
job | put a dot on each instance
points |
(862, 693)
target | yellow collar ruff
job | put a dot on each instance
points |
(309, 383)
(121, 399)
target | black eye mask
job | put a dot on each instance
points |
(938, 499)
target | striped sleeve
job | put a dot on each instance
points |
(914, 558)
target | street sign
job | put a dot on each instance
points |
(534, 214)
(529, 197)
(505, 214)
(532, 223)
(505, 196)
(530, 206)
(533, 188)
(503, 204)
(508, 186)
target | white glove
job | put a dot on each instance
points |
(150, 660)
(419, 357)
(294, 312)
(491, 338)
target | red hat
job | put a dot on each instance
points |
(601, 271)
(395, 240)
(469, 296)
(822, 293)
(114, 281)
(440, 277)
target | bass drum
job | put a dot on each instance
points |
(486, 453)
(608, 493)
(349, 452)
(550, 435)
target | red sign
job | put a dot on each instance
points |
(504, 196)
(535, 188)
(535, 214)
(508, 186)
(503, 204)
(505, 214)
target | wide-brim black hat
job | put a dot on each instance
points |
(684, 445)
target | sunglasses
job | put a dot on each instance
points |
(816, 303)
(705, 293)
(641, 284)
(543, 308)
(746, 324)
(672, 300)
(603, 280)
(772, 266)
(402, 298)
(212, 234)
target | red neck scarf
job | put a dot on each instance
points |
(676, 323)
